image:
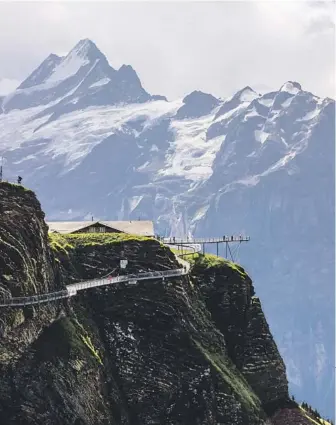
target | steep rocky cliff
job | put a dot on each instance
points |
(186, 351)
(27, 267)
(237, 313)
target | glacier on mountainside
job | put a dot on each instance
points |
(90, 140)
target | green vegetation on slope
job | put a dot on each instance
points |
(15, 186)
(206, 261)
(68, 242)
(313, 415)
(66, 338)
(59, 243)
(232, 377)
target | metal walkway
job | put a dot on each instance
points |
(72, 289)
(192, 241)
(195, 242)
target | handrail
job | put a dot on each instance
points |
(73, 288)
(35, 299)
(176, 241)
(190, 246)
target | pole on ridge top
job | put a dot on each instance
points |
(1, 167)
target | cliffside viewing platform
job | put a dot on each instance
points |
(175, 323)
(117, 231)
(186, 241)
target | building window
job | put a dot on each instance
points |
(100, 229)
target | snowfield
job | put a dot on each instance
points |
(91, 141)
(191, 155)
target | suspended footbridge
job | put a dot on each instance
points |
(72, 289)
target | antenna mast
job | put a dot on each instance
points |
(1, 168)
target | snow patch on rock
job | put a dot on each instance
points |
(68, 67)
(291, 87)
(134, 202)
(101, 82)
(260, 136)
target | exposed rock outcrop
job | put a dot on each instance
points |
(27, 267)
(176, 352)
(237, 313)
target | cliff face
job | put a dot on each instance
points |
(27, 267)
(165, 360)
(176, 352)
(237, 313)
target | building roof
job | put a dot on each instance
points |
(136, 227)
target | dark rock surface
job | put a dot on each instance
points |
(197, 104)
(237, 313)
(27, 267)
(185, 351)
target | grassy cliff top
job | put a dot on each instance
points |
(15, 186)
(71, 241)
(207, 261)
(68, 242)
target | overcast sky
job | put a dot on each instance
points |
(178, 47)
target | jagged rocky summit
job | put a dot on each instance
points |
(193, 350)
(90, 140)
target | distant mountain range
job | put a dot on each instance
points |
(90, 141)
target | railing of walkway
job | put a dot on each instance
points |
(124, 278)
(176, 241)
(35, 299)
(80, 286)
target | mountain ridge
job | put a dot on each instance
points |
(60, 81)
(251, 163)
(88, 51)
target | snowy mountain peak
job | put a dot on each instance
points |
(55, 69)
(247, 94)
(87, 50)
(199, 96)
(84, 45)
(237, 101)
(197, 104)
(126, 68)
(126, 72)
(84, 53)
(53, 58)
(81, 79)
(291, 87)
(42, 73)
